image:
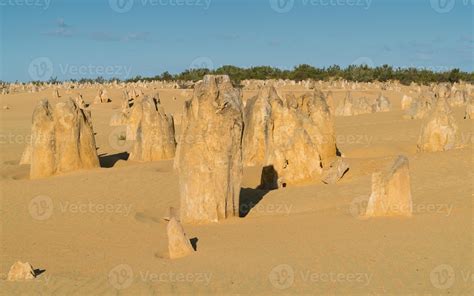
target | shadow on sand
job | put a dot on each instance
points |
(108, 161)
(250, 197)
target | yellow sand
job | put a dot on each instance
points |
(101, 231)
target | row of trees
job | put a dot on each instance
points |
(362, 73)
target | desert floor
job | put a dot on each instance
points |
(101, 231)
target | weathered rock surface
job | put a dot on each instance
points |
(354, 106)
(292, 152)
(21, 271)
(439, 131)
(102, 97)
(420, 107)
(469, 114)
(121, 117)
(458, 98)
(155, 133)
(209, 153)
(319, 123)
(382, 104)
(258, 112)
(391, 191)
(406, 102)
(178, 244)
(62, 140)
(335, 171)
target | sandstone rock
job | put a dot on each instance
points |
(178, 244)
(406, 102)
(420, 107)
(319, 123)
(56, 94)
(80, 101)
(26, 156)
(62, 140)
(122, 117)
(155, 135)
(469, 114)
(391, 191)
(292, 152)
(459, 98)
(209, 153)
(440, 131)
(330, 102)
(102, 97)
(21, 271)
(382, 104)
(335, 171)
(354, 106)
(258, 112)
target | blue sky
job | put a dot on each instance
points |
(119, 38)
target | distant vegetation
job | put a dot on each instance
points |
(361, 73)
